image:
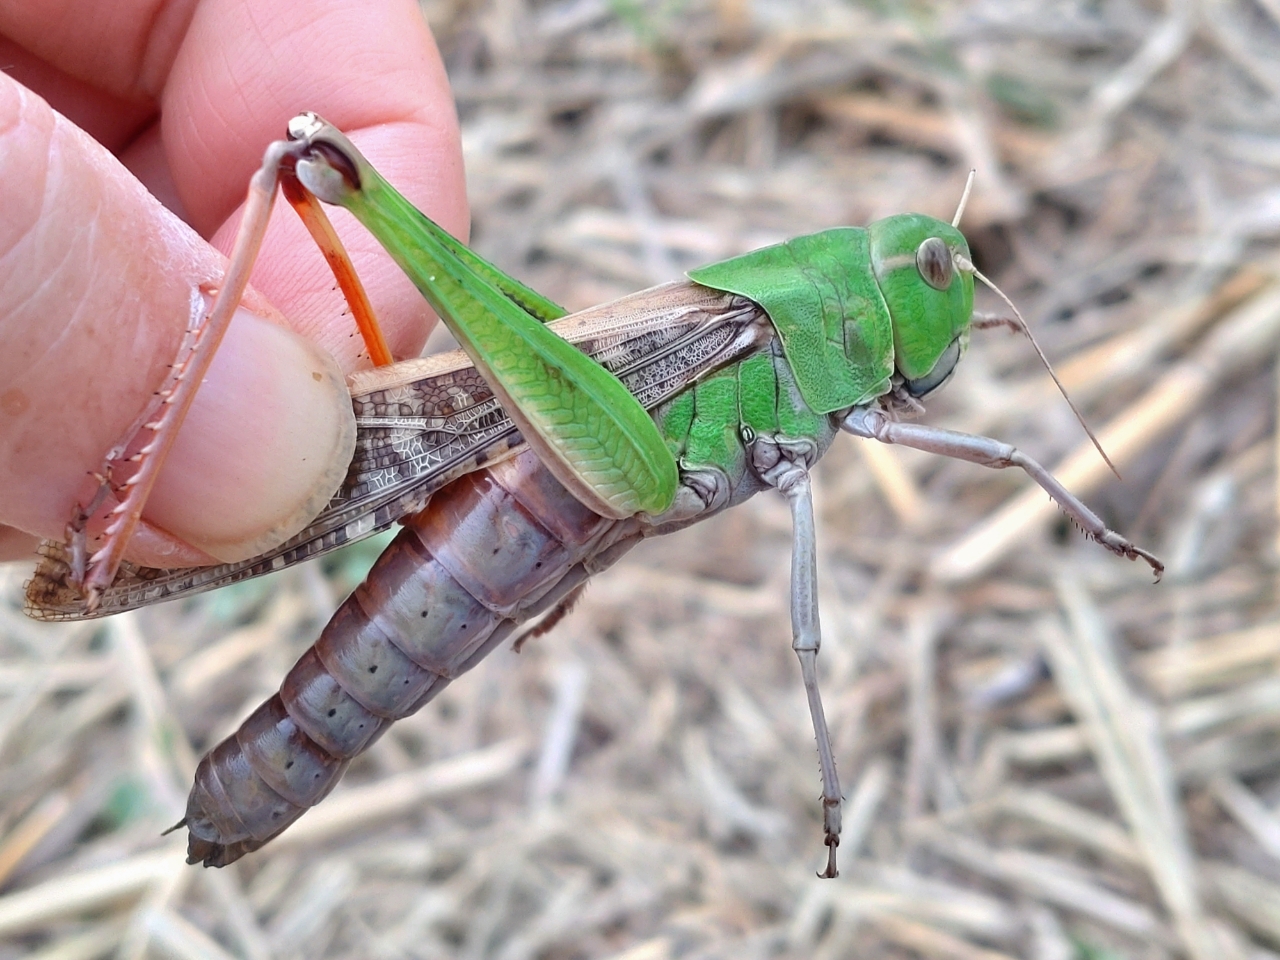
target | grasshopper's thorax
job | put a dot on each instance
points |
(929, 298)
(861, 312)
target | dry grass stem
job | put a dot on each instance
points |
(1044, 755)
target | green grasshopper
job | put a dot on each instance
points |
(676, 403)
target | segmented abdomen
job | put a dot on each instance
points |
(491, 549)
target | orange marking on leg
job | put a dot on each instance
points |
(326, 238)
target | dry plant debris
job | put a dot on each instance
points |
(1044, 754)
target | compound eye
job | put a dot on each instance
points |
(940, 373)
(933, 260)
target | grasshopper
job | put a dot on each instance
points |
(543, 452)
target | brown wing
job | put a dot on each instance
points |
(423, 423)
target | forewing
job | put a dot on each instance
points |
(412, 438)
(423, 423)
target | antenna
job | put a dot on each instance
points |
(965, 264)
(964, 199)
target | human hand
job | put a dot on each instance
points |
(97, 278)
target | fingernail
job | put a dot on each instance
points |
(264, 447)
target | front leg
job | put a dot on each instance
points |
(873, 424)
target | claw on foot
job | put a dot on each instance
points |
(831, 872)
(1130, 551)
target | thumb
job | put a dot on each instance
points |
(98, 283)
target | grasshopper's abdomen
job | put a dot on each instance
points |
(493, 549)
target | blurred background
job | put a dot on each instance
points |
(1043, 754)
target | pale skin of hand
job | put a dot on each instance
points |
(97, 278)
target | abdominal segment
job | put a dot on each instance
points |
(491, 550)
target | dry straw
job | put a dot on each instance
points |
(1045, 755)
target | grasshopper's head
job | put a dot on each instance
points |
(917, 260)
